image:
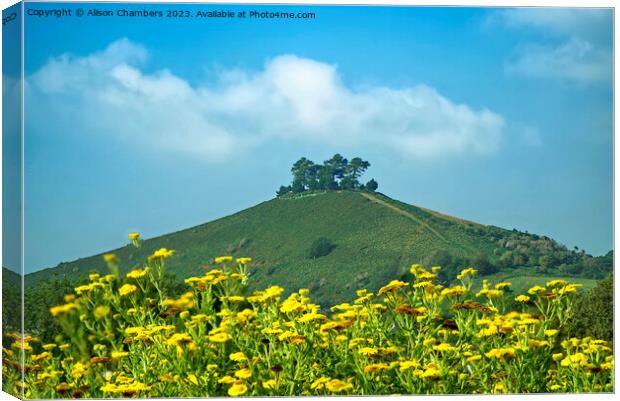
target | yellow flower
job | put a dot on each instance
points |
(455, 291)
(49, 347)
(63, 309)
(178, 339)
(551, 332)
(127, 289)
(490, 293)
(405, 365)
(431, 372)
(269, 384)
(470, 271)
(219, 337)
(499, 388)
(138, 273)
(237, 389)
(576, 360)
(110, 258)
(336, 386)
(192, 378)
(238, 357)
(536, 290)
(243, 373)
(118, 354)
(522, 298)
(244, 261)
(161, 254)
(502, 285)
(227, 380)
(426, 276)
(569, 289)
(93, 277)
(42, 356)
(429, 341)
(133, 236)
(309, 317)
(368, 351)
(501, 353)
(376, 367)
(474, 358)
(556, 283)
(222, 259)
(444, 347)
(392, 286)
(126, 389)
(101, 311)
(78, 370)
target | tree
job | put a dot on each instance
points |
(326, 179)
(349, 182)
(372, 185)
(336, 167)
(335, 173)
(283, 190)
(313, 177)
(356, 168)
(303, 170)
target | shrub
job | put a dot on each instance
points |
(593, 312)
(483, 264)
(320, 247)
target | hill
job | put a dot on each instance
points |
(373, 239)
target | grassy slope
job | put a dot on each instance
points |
(376, 239)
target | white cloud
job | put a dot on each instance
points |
(576, 44)
(575, 60)
(291, 99)
(589, 23)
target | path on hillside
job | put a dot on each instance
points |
(404, 213)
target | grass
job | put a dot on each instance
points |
(376, 239)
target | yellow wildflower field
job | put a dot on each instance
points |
(124, 337)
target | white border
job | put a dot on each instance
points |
(481, 3)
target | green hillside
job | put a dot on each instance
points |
(11, 300)
(375, 239)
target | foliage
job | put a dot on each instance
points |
(337, 173)
(11, 300)
(127, 336)
(594, 312)
(371, 185)
(320, 247)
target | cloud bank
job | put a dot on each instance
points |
(290, 99)
(576, 46)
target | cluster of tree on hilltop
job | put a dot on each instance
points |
(334, 174)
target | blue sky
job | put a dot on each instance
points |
(11, 143)
(501, 116)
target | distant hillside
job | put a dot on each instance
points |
(373, 239)
(11, 300)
